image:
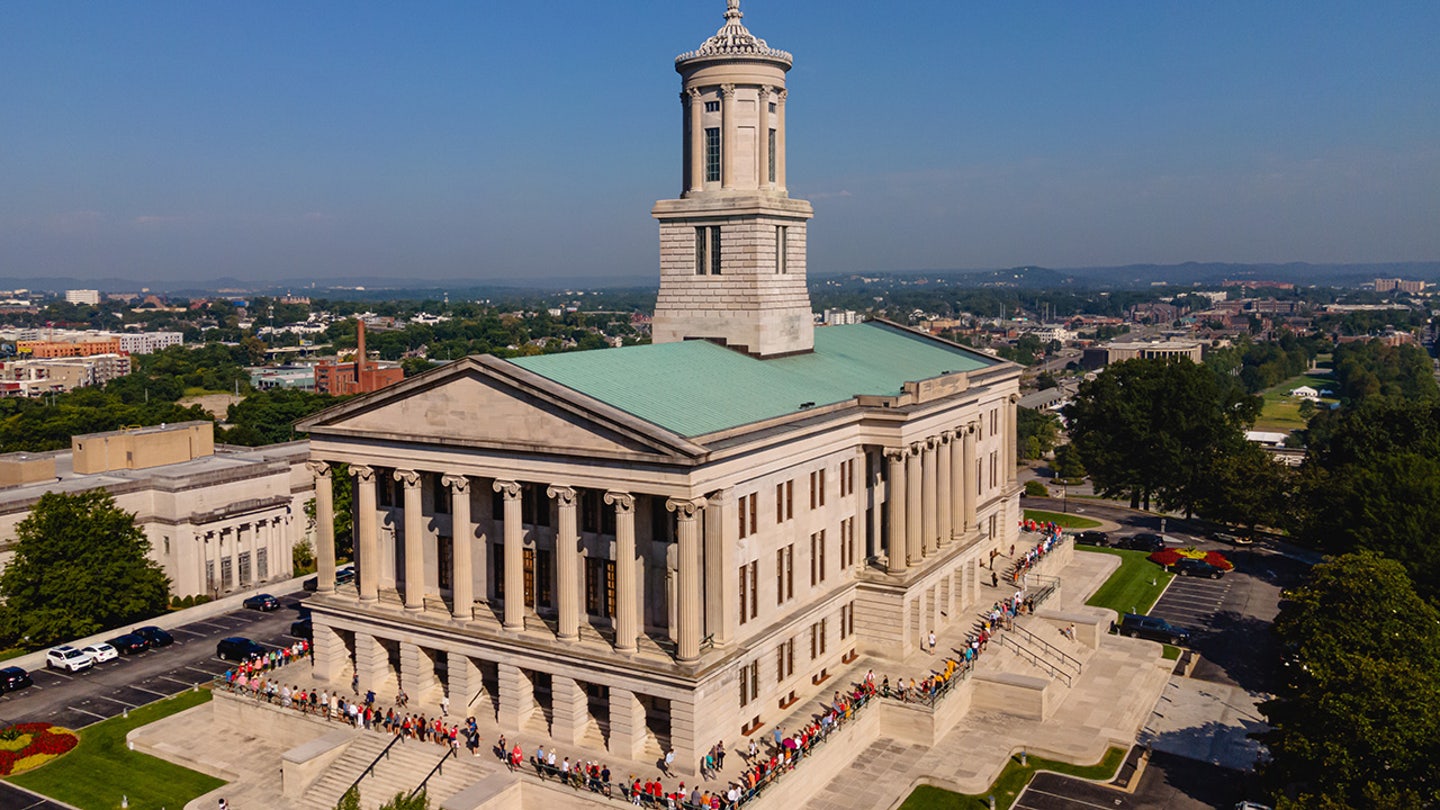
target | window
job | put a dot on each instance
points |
(707, 250)
(817, 558)
(772, 109)
(772, 149)
(712, 106)
(784, 501)
(847, 620)
(167, 545)
(749, 682)
(445, 564)
(817, 489)
(749, 591)
(817, 639)
(712, 154)
(780, 246)
(262, 564)
(847, 543)
(847, 478)
(599, 587)
(994, 461)
(994, 414)
(784, 574)
(749, 514)
(784, 660)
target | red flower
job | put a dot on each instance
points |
(1218, 560)
(1166, 557)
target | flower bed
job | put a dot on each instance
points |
(28, 745)
(1168, 557)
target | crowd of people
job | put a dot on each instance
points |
(1050, 537)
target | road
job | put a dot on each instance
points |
(75, 700)
(1168, 783)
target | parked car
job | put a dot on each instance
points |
(1187, 567)
(1092, 538)
(1144, 541)
(1154, 628)
(261, 601)
(12, 678)
(343, 576)
(154, 636)
(302, 629)
(1233, 539)
(129, 644)
(100, 652)
(67, 657)
(236, 648)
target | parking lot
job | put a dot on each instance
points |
(1193, 602)
(75, 700)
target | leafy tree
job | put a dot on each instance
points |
(350, 801)
(1372, 368)
(402, 802)
(1036, 431)
(1067, 463)
(267, 417)
(1247, 487)
(1357, 724)
(80, 566)
(1046, 380)
(344, 494)
(1154, 428)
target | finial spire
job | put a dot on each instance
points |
(732, 9)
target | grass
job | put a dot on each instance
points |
(101, 768)
(1130, 588)
(1171, 652)
(1065, 521)
(1281, 412)
(1012, 780)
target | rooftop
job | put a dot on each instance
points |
(735, 40)
(695, 387)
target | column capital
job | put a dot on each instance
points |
(1013, 398)
(459, 484)
(685, 508)
(896, 453)
(364, 472)
(510, 489)
(622, 501)
(727, 91)
(780, 96)
(718, 498)
(409, 478)
(693, 94)
(766, 91)
(916, 448)
(969, 427)
(319, 469)
(563, 495)
(946, 436)
(932, 442)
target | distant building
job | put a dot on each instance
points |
(1398, 284)
(1305, 392)
(149, 342)
(82, 346)
(358, 377)
(91, 297)
(840, 317)
(1096, 357)
(298, 377)
(217, 518)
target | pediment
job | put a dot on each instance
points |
(485, 402)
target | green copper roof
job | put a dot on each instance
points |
(695, 387)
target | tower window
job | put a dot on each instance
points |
(712, 106)
(712, 154)
(707, 250)
(781, 238)
(772, 106)
(772, 150)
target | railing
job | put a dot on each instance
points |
(450, 751)
(1026, 652)
(1044, 588)
(931, 697)
(1047, 647)
(370, 769)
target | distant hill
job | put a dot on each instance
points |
(1187, 274)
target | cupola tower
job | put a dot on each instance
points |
(732, 247)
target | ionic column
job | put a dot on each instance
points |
(697, 138)
(896, 561)
(957, 482)
(779, 139)
(414, 541)
(971, 477)
(367, 551)
(514, 558)
(943, 467)
(625, 595)
(1011, 437)
(728, 135)
(567, 563)
(929, 525)
(462, 536)
(722, 579)
(914, 521)
(687, 596)
(762, 169)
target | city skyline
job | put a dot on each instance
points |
(495, 143)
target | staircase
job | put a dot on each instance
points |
(400, 772)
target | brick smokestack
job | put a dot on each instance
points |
(360, 350)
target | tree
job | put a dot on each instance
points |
(80, 567)
(1357, 724)
(1068, 466)
(1247, 487)
(403, 802)
(350, 801)
(343, 494)
(1036, 432)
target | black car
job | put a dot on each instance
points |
(129, 644)
(1092, 539)
(236, 648)
(261, 601)
(1144, 541)
(12, 678)
(1187, 567)
(302, 629)
(343, 576)
(1154, 628)
(154, 636)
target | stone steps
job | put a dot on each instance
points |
(400, 772)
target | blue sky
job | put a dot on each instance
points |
(486, 140)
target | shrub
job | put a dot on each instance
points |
(174, 602)
(188, 601)
(1036, 489)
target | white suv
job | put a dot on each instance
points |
(67, 657)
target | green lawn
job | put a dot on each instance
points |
(1065, 521)
(101, 768)
(1012, 780)
(1130, 588)
(1281, 412)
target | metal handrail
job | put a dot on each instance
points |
(450, 751)
(369, 769)
(1035, 659)
(1052, 648)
